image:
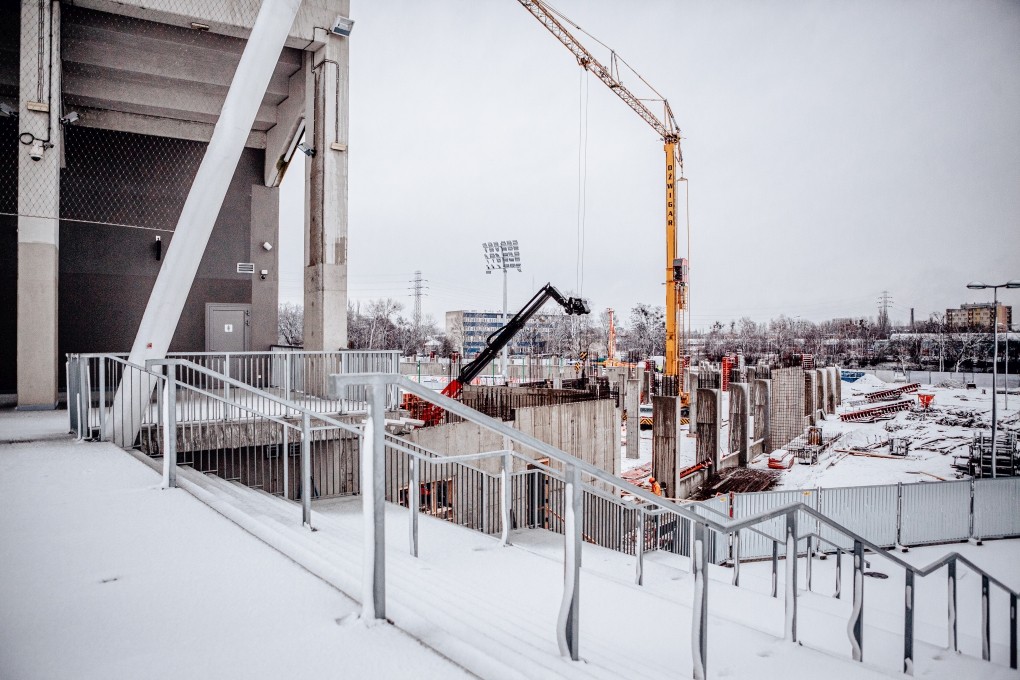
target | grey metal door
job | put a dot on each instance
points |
(227, 327)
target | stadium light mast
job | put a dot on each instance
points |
(502, 255)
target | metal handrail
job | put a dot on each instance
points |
(699, 562)
(287, 403)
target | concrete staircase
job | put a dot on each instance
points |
(493, 610)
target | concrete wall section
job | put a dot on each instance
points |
(709, 417)
(761, 400)
(584, 430)
(666, 437)
(740, 420)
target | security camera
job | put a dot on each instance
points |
(7, 112)
(36, 151)
(70, 118)
(306, 150)
(263, 274)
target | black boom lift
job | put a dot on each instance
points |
(501, 338)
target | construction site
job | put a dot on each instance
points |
(173, 469)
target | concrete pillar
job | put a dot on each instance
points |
(327, 96)
(810, 394)
(819, 394)
(631, 400)
(708, 427)
(666, 442)
(692, 387)
(265, 292)
(39, 206)
(740, 417)
(762, 405)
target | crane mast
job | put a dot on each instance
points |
(676, 268)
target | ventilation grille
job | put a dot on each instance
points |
(245, 267)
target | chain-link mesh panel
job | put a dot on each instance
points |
(8, 166)
(39, 80)
(10, 59)
(125, 178)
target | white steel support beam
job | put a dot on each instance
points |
(326, 124)
(163, 311)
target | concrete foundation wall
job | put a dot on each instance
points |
(587, 430)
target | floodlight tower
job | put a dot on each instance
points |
(502, 255)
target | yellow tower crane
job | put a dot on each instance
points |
(669, 131)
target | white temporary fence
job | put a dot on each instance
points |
(996, 507)
(891, 514)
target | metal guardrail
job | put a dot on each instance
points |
(568, 625)
(299, 375)
(889, 515)
(576, 477)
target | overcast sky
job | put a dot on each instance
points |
(833, 150)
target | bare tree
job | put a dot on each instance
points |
(290, 326)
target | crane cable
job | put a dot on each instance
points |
(582, 177)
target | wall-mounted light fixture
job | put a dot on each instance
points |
(267, 246)
(342, 26)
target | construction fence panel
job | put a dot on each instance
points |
(934, 513)
(870, 511)
(996, 503)
(718, 543)
(754, 545)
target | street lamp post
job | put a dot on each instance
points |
(502, 255)
(977, 285)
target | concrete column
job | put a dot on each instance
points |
(739, 421)
(709, 425)
(325, 314)
(265, 292)
(810, 394)
(39, 206)
(762, 404)
(632, 401)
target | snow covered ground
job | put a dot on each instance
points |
(106, 576)
(936, 434)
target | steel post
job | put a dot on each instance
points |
(639, 549)
(170, 430)
(227, 411)
(736, 558)
(505, 496)
(791, 577)
(1012, 631)
(84, 397)
(951, 599)
(775, 569)
(568, 627)
(699, 605)
(908, 624)
(856, 628)
(986, 624)
(306, 470)
(102, 399)
(373, 495)
(414, 502)
(286, 461)
(839, 573)
(809, 562)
